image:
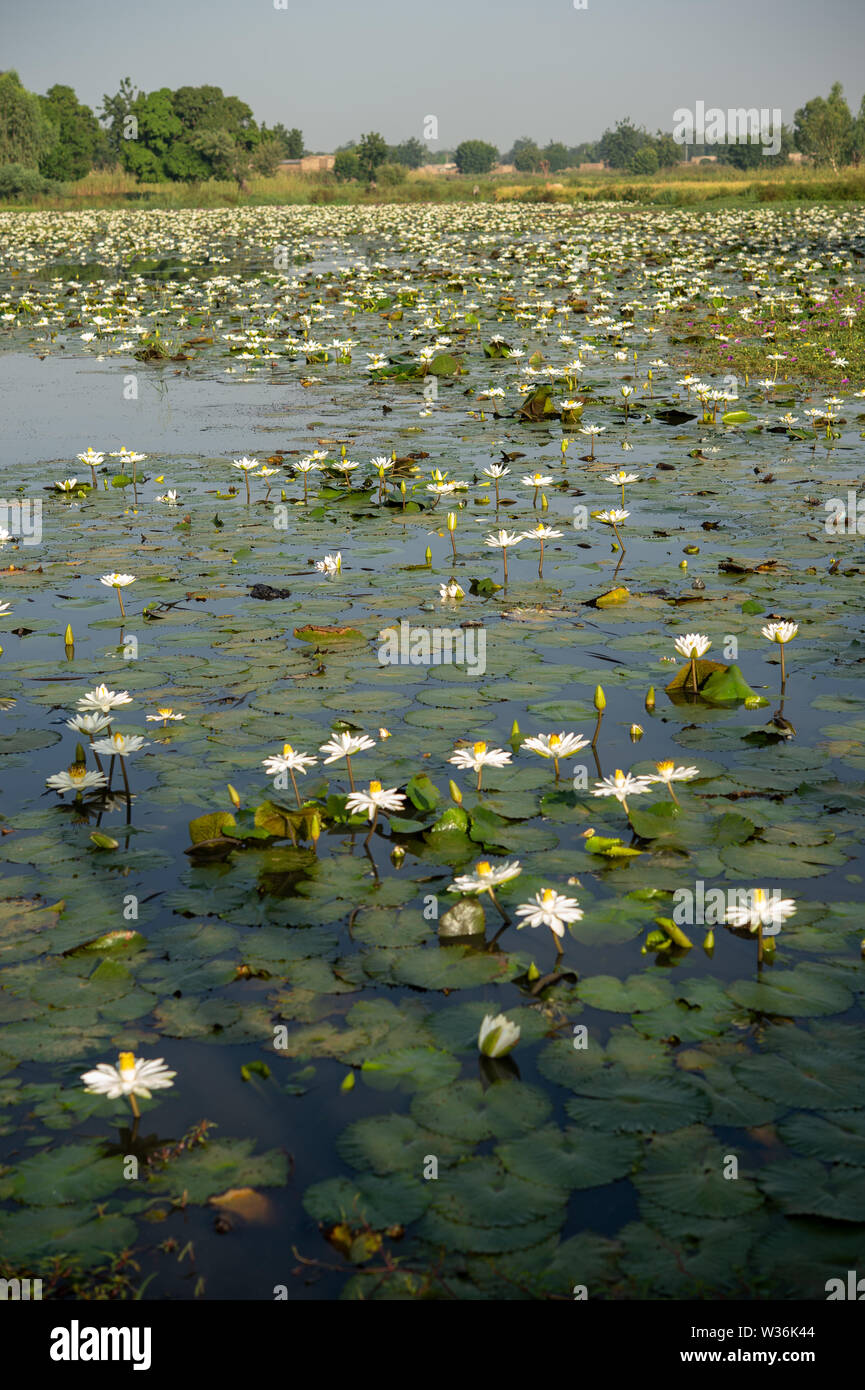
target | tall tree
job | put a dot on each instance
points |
(73, 154)
(825, 128)
(410, 153)
(26, 131)
(371, 152)
(528, 158)
(294, 143)
(618, 147)
(557, 155)
(475, 157)
(115, 114)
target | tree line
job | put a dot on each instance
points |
(195, 133)
(187, 135)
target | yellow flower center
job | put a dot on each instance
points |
(480, 748)
(118, 739)
(759, 897)
(665, 766)
(619, 775)
(554, 740)
(374, 788)
(126, 1063)
(484, 868)
(548, 895)
(287, 750)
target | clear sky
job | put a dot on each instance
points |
(494, 71)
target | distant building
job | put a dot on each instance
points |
(431, 169)
(703, 159)
(309, 164)
(504, 169)
(591, 168)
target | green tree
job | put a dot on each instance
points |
(644, 160)
(26, 131)
(668, 150)
(371, 152)
(294, 144)
(267, 155)
(587, 153)
(857, 150)
(825, 129)
(411, 154)
(528, 158)
(751, 156)
(346, 166)
(115, 114)
(557, 156)
(208, 108)
(390, 174)
(618, 147)
(72, 155)
(156, 129)
(475, 157)
(228, 156)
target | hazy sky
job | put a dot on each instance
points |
(487, 70)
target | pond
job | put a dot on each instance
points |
(681, 1113)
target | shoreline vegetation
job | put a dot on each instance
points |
(682, 186)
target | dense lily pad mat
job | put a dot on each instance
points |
(677, 1119)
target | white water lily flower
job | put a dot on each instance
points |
(762, 909)
(170, 497)
(288, 761)
(549, 909)
(376, 798)
(76, 779)
(478, 756)
(330, 565)
(502, 539)
(88, 723)
(667, 772)
(496, 470)
(120, 745)
(345, 746)
(164, 715)
(485, 877)
(104, 700)
(780, 632)
(614, 516)
(5, 608)
(245, 464)
(536, 480)
(622, 477)
(127, 455)
(131, 1077)
(451, 590)
(621, 785)
(541, 532)
(497, 1035)
(693, 645)
(67, 485)
(117, 581)
(91, 458)
(555, 745)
